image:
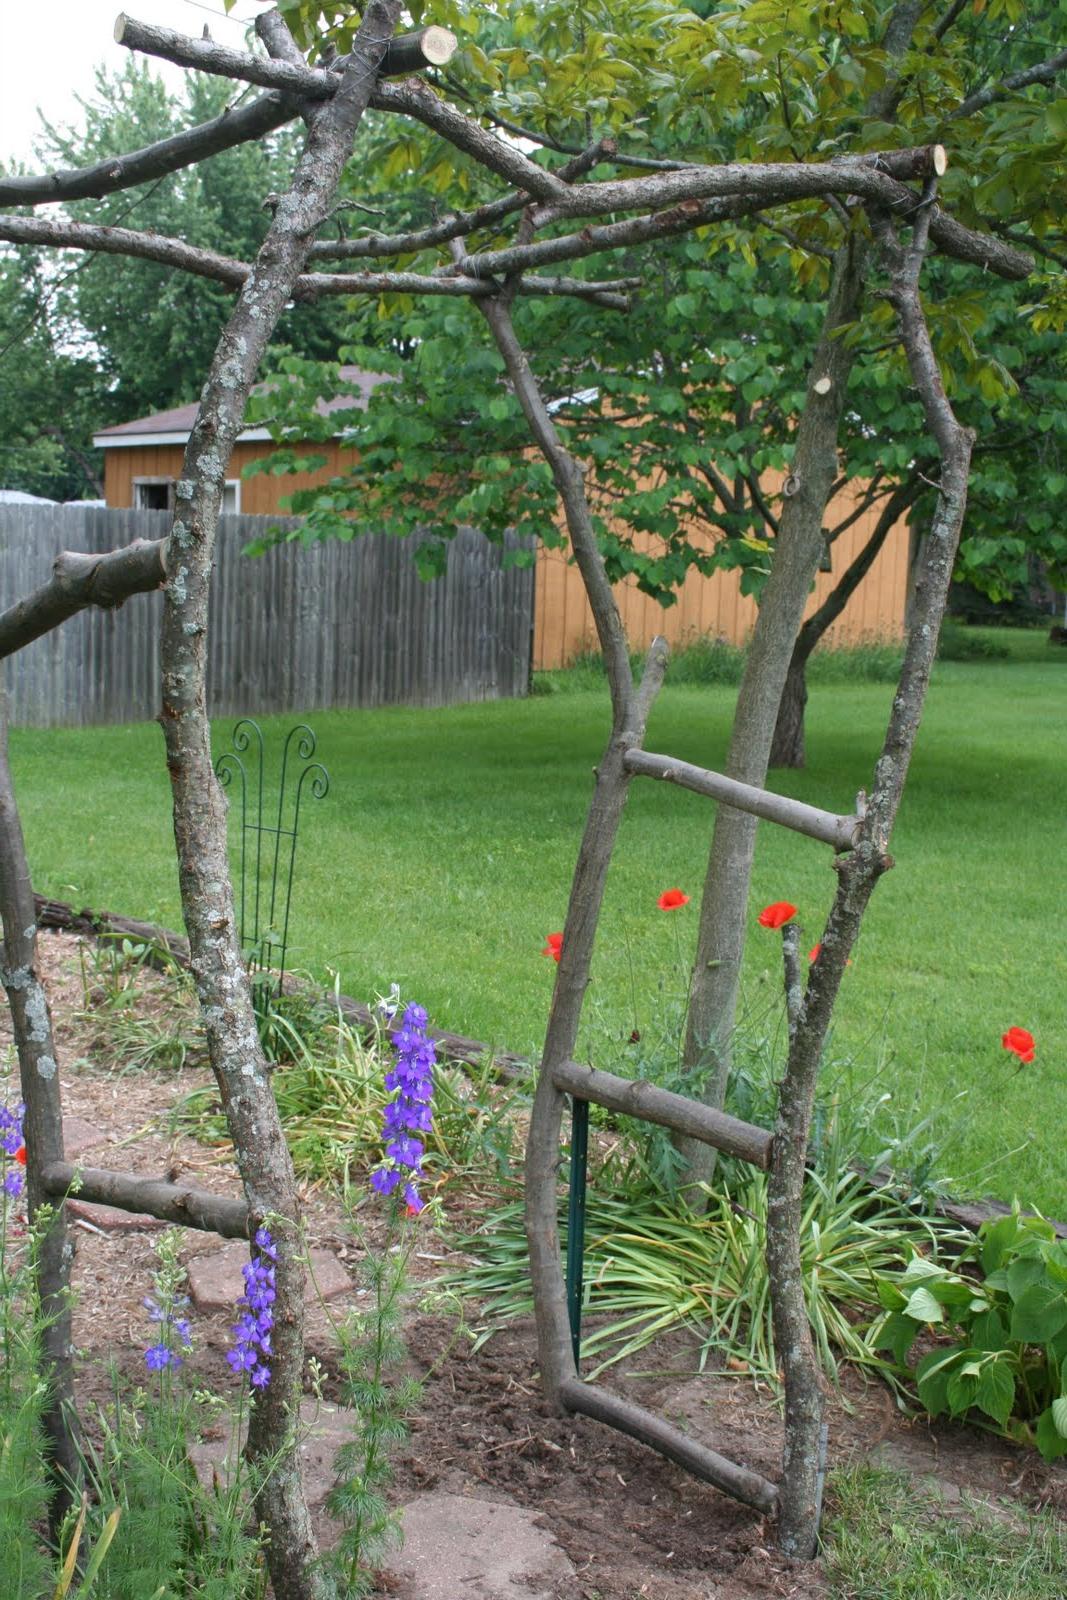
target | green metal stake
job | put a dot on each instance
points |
(576, 1219)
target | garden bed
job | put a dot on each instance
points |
(619, 1521)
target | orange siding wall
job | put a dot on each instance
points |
(563, 623)
(259, 495)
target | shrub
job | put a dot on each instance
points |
(1004, 1306)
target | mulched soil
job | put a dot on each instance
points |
(631, 1524)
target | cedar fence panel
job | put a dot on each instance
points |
(336, 625)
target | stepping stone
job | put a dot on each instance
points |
(79, 1136)
(110, 1219)
(324, 1429)
(216, 1282)
(454, 1545)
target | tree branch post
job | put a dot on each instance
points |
(31, 1022)
(858, 873)
(199, 808)
(630, 708)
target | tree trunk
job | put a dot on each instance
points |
(787, 746)
(799, 546)
(787, 749)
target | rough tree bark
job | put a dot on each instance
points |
(858, 873)
(31, 1023)
(199, 808)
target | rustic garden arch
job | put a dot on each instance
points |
(879, 191)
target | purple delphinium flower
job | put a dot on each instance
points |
(252, 1331)
(173, 1329)
(11, 1143)
(409, 1112)
(158, 1356)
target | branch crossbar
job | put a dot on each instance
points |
(872, 177)
(827, 826)
(409, 52)
(633, 1097)
(185, 1204)
(603, 1406)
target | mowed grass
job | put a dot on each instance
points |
(443, 855)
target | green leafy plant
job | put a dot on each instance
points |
(957, 643)
(1003, 1307)
(176, 1537)
(373, 1353)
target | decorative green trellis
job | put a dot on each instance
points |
(266, 850)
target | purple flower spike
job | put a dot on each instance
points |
(11, 1143)
(253, 1329)
(410, 1082)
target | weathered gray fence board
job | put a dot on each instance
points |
(294, 630)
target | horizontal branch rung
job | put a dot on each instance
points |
(781, 808)
(633, 1097)
(739, 1482)
(181, 1203)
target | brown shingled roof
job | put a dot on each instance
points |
(180, 419)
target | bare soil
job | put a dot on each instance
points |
(631, 1524)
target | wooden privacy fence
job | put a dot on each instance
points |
(335, 625)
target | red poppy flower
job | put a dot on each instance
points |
(671, 899)
(553, 946)
(776, 915)
(1020, 1042)
(20, 1155)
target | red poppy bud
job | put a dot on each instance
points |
(1020, 1042)
(671, 899)
(776, 915)
(553, 946)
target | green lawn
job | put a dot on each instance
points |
(442, 857)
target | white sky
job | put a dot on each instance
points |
(48, 57)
